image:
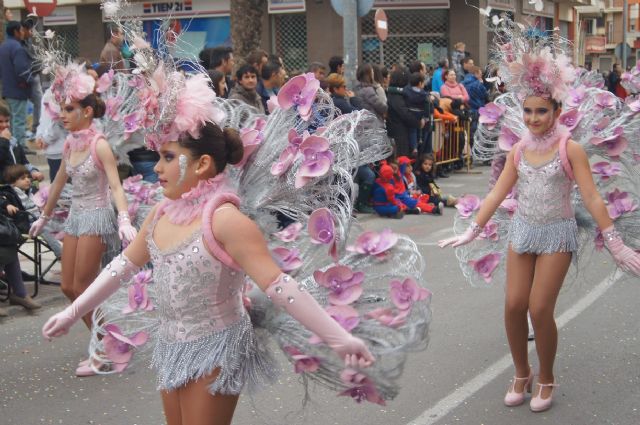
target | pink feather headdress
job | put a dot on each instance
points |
(72, 83)
(532, 62)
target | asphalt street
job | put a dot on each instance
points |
(460, 379)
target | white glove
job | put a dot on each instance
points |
(38, 225)
(470, 234)
(625, 257)
(126, 231)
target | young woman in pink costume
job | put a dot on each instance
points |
(91, 228)
(540, 172)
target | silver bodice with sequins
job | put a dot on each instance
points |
(544, 192)
(90, 185)
(197, 295)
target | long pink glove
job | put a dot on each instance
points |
(126, 231)
(470, 234)
(38, 225)
(117, 272)
(287, 293)
(625, 257)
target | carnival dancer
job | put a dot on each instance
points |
(206, 242)
(540, 171)
(92, 228)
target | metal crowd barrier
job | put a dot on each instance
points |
(451, 142)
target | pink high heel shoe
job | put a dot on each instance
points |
(539, 404)
(514, 398)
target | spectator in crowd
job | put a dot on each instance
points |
(467, 64)
(400, 119)
(478, 95)
(318, 69)
(420, 67)
(111, 55)
(50, 135)
(613, 82)
(378, 82)
(278, 59)
(10, 151)
(384, 72)
(218, 83)
(15, 72)
(19, 178)
(365, 89)
(8, 15)
(35, 87)
(456, 59)
(416, 99)
(257, 59)
(438, 79)
(336, 65)
(245, 89)
(452, 88)
(341, 97)
(220, 59)
(270, 83)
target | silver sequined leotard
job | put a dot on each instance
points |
(91, 211)
(203, 322)
(544, 221)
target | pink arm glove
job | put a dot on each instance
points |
(470, 234)
(625, 257)
(126, 231)
(293, 297)
(38, 225)
(119, 271)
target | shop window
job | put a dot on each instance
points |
(413, 34)
(291, 40)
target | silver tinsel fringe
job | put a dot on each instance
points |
(560, 236)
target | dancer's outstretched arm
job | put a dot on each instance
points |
(243, 241)
(490, 204)
(118, 272)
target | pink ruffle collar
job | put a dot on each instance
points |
(189, 206)
(545, 142)
(78, 141)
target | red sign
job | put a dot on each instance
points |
(595, 44)
(382, 24)
(40, 7)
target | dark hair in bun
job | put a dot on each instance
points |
(224, 146)
(96, 103)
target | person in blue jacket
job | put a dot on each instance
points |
(478, 95)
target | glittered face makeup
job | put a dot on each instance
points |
(72, 117)
(173, 170)
(182, 162)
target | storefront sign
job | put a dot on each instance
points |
(509, 5)
(425, 53)
(62, 15)
(530, 9)
(412, 4)
(595, 44)
(286, 6)
(176, 9)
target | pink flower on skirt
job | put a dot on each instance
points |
(467, 204)
(360, 387)
(486, 265)
(289, 233)
(373, 243)
(119, 348)
(300, 92)
(138, 296)
(344, 285)
(404, 294)
(303, 363)
(287, 259)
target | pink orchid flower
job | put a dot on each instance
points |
(360, 387)
(620, 203)
(490, 231)
(138, 296)
(131, 123)
(575, 97)
(633, 103)
(389, 317)
(486, 265)
(41, 196)
(303, 363)
(105, 81)
(251, 139)
(346, 316)
(287, 259)
(606, 100)
(299, 91)
(601, 124)
(289, 233)
(614, 144)
(317, 162)
(467, 204)
(570, 119)
(112, 105)
(606, 170)
(272, 104)
(119, 348)
(344, 285)
(599, 240)
(510, 204)
(289, 153)
(507, 138)
(490, 114)
(321, 230)
(373, 243)
(132, 184)
(405, 294)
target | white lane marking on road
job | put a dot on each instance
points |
(460, 394)
(427, 243)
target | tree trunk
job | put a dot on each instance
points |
(246, 26)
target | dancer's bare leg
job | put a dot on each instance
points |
(87, 266)
(550, 273)
(199, 407)
(70, 244)
(520, 270)
(171, 405)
